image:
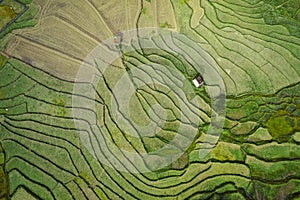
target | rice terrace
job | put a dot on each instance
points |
(150, 99)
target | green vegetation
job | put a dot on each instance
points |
(6, 15)
(281, 127)
(277, 113)
(3, 177)
(9, 9)
(256, 156)
(144, 10)
(183, 2)
(227, 152)
(273, 151)
(165, 25)
(3, 60)
(283, 12)
(280, 170)
(26, 1)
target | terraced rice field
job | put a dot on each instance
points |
(85, 116)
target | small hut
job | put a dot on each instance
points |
(118, 38)
(198, 80)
